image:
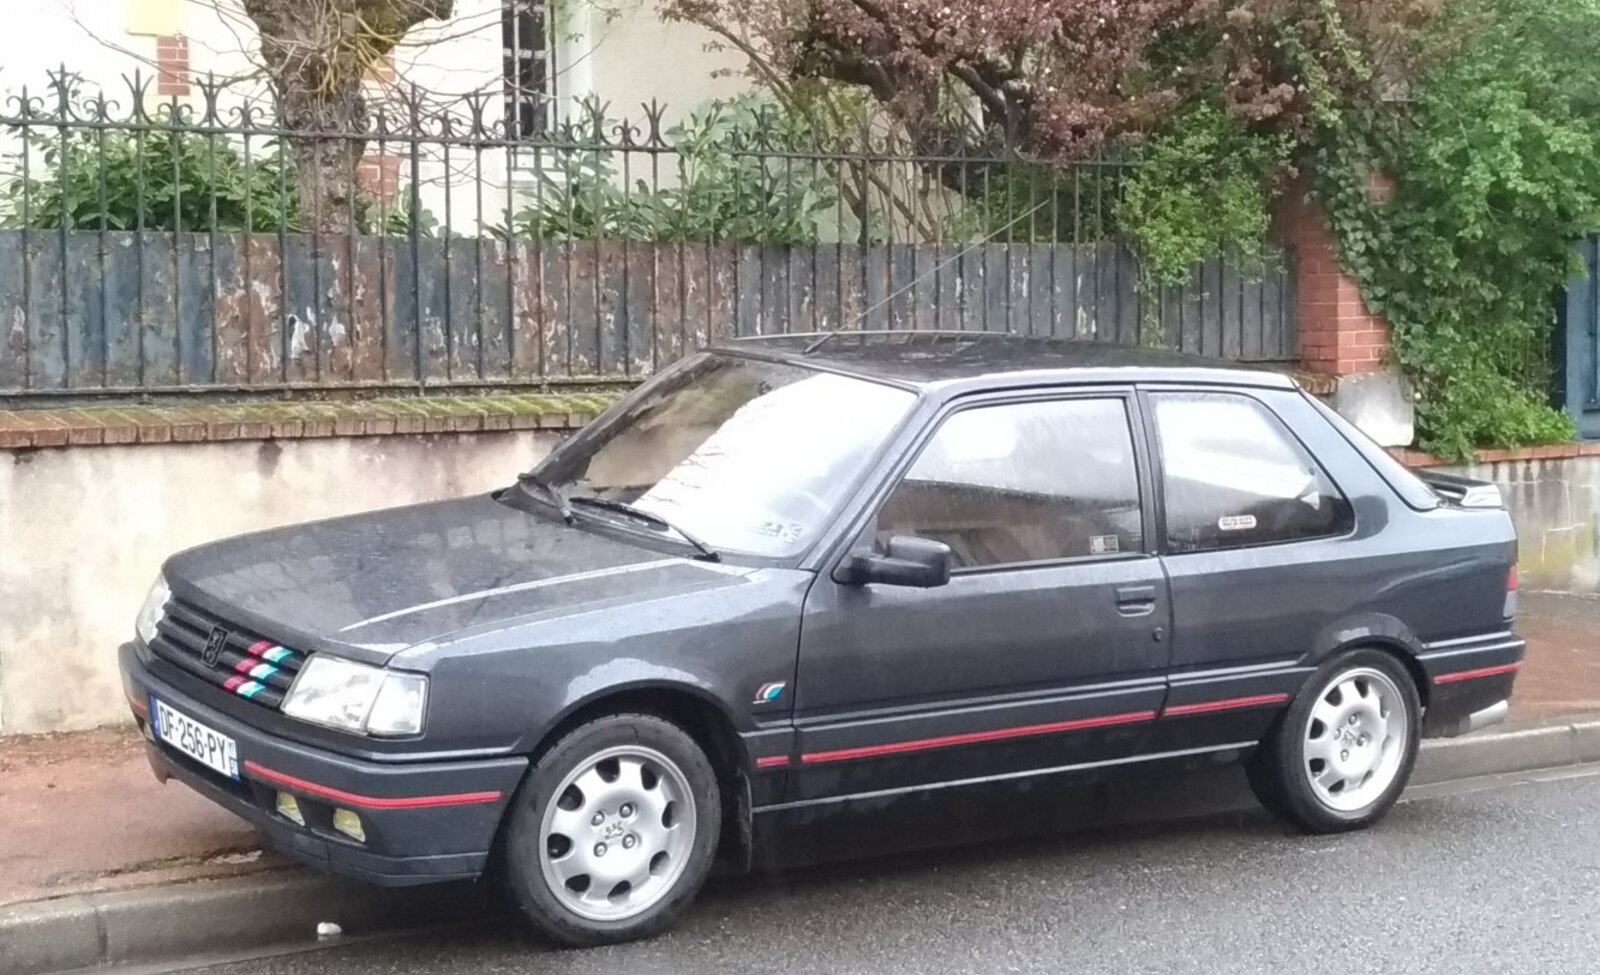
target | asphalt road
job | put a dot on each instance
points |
(1497, 876)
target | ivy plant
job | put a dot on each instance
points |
(1496, 166)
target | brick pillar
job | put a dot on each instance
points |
(172, 65)
(379, 174)
(1338, 335)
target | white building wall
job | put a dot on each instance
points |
(624, 59)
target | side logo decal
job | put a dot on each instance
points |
(769, 692)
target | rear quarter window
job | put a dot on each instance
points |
(1411, 488)
(1233, 476)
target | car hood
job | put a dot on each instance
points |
(368, 586)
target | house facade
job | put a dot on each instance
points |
(531, 63)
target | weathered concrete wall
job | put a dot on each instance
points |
(84, 529)
(1556, 505)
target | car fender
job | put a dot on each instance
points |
(619, 678)
(1379, 630)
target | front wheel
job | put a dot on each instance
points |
(614, 832)
(1341, 755)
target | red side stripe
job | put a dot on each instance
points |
(1480, 672)
(369, 802)
(998, 734)
(1228, 704)
(771, 760)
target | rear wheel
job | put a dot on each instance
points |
(1341, 755)
(614, 831)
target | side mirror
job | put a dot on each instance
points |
(919, 563)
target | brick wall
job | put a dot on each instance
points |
(172, 65)
(1339, 336)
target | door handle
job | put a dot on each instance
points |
(1136, 600)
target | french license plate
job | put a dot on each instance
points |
(210, 748)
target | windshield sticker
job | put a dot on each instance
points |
(1104, 545)
(786, 530)
(1236, 523)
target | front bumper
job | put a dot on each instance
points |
(423, 822)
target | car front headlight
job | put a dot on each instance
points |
(349, 696)
(154, 608)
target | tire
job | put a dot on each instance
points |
(1339, 757)
(613, 832)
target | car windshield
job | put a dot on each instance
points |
(745, 455)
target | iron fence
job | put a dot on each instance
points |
(177, 248)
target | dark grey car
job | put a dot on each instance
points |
(810, 573)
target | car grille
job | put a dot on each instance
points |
(253, 668)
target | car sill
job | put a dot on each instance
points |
(1009, 776)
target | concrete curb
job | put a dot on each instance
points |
(161, 923)
(1518, 748)
(171, 921)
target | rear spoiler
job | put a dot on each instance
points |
(1462, 492)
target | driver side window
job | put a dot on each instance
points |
(1023, 482)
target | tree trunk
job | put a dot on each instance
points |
(318, 54)
(329, 141)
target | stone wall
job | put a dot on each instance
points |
(1555, 502)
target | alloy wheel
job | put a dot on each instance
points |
(618, 834)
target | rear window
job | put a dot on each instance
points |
(1411, 488)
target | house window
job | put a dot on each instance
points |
(529, 78)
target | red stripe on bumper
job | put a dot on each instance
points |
(771, 761)
(1259, 700)
(1480, 672)
(368, 802)
(998, 734)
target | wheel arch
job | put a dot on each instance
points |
(702, 716)
(1383, 633)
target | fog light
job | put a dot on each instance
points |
(289, 809)
(349, 824)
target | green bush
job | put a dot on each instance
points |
(163, 180)
(168, 179)
(733, 184)
(1203, 186)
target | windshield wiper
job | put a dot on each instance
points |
(551, 493)
(650, 518)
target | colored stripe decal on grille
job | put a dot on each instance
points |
(263, 671)
(232, 683)
(259, 647)
(277, 655)
(250, 689)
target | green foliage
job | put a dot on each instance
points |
(734, 183)
(155, 180)
(167, 179)
(1024, 202)
(1497, 171)
(1201, 187)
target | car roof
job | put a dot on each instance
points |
(928, 359)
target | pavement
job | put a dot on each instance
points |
(1484, 877)
(91, 841)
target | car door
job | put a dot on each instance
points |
(1258, 549)
(1046, 648)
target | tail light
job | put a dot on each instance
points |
(1511, 593)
